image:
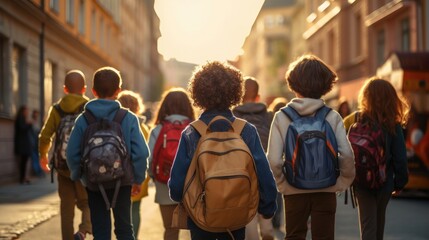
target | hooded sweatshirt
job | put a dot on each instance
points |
(134, 140)
(279, 127)
(70, 103)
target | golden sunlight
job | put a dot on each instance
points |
(197, 31)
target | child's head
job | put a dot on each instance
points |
(74, 82)
(132, 101)
(107, 82)
(277, 103)
(379, 101)
(251, 90)
(310, 77)
(216, 86)
(175, 101)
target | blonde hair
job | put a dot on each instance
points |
(132, 101)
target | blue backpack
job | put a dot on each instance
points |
(311, 151)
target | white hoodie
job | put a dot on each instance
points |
(279, 127)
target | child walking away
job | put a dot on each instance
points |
(376, 135)
(134, 102)
(108, 153)
(174, 114)
(60, 122)
(220, 167)
(309, 153)
(256, 113)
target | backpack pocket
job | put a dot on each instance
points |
(226, 198)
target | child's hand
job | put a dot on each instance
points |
(44, 164)
(135, 190)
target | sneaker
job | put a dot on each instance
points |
(79, 236)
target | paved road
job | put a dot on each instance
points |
(31, 212)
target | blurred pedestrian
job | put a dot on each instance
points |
(277, 103)
(344, 108)
(309, 78)
(134, 102)
(23, 141)
(380, 105)
(175, 109)
(35, 144)
(59, 123)
(255, 112)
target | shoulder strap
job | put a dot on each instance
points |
(90, 118)
(200, 126)
(120, 115)
(322, 112)
(238, 125)
(291, 113)
(59, 110)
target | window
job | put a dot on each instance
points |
(93, 26)
(101, 32)
(49, 73)
(405, 35)
(54, 5)
(380, 45)
(82, 17)
(3, 91)
(358, 35)
(17, 83)
(70, 11)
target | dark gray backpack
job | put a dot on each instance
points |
(106, 161)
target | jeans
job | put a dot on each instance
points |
(72, 193)
(199, 234)
(135, 216)
(100, 216)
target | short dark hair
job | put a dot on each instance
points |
(106, 81)
(251, 89)
(310, 77)
(216, 86)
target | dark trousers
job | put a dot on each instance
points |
(100, 216)
(321, 207)
(23, 160)
(372, 213)
(199, 234)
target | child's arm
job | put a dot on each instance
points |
(139, 151)
(399, 159)
(275, 150)
(180, 167)
(152, 140)
(46, 136)
(74, 151)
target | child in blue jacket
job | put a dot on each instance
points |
(206, 85)
(106, 87)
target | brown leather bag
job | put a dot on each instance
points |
(221, 186)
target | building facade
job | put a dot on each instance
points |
(41, 40)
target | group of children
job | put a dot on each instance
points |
(215, 88)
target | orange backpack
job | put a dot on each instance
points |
(221, 186)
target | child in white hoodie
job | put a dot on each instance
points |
(310, 78)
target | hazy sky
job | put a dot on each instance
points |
(196, 31)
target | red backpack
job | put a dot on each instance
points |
(165, 148)
(368, 143)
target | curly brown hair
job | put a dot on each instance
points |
(216, 86)
(310, 77)
(379, 101)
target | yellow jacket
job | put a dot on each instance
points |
(145, 185)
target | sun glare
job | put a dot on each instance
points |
(197, 31)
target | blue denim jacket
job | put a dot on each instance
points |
(188, 143)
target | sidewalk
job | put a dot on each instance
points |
(23, 207)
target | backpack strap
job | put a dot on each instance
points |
(291, 113)
(59, 110)
(120, 115)
(238, 125)
(200, 126)
(322, 112)
(89, 116)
